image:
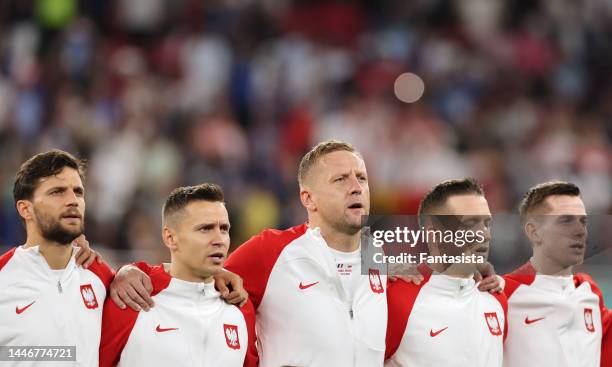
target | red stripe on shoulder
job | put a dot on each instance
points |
(254, 259)
(580, 278)
(248, 312)
(102, 271)
(400, 301)
(524, 275)
(159, 278)
(6, 257)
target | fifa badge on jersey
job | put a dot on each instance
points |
(89, 297)
(231, 336)
(493, 323)
(588, 320)
(375, 283)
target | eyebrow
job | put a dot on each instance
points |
(212, 225)
(79, 189)
(571, 216)
(336, 175)
(346, 174)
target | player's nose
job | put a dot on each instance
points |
(355, 188)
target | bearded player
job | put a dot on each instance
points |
(46, 297)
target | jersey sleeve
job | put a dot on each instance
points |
(400, 301)
(117, 324)
(606, 319)
(6, 257)
(524, 275)
(248, 312)
(253, 261)
(102, 271)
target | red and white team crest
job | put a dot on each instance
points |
(493, 323)
(89, 297)
(588, 320)
(375, 282)
(231, 336)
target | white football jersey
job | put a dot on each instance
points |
(43, 307)
(190, 325)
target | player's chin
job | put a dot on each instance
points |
(355, 222)
(212, 267)
(574, 259)
(72, 234)
(73, 229)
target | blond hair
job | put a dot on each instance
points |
(318, 151)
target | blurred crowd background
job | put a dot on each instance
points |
(161, 93)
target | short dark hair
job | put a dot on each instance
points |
(536, 195)
(442, 191)
(318, 151)
(180, 197)
(40, 166)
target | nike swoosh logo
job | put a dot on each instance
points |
(305, 286)
(20, 310)
(160, 330)
(435, 333)
(528, 322)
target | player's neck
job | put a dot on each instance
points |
(57, 255)
(179, 271)
(546, 266)
(343, 242)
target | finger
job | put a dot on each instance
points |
(238, 300)
(127, 300)
(243, 302)
(136, 298)
(115, 297)
(477, 277)
(235, 295)
(236, 283)
(80, 258)
(146, 282)
(488, 284)
(416, 279)
(491, 279)
(488, 280)
(98, 257)
(90, 259)
(486, 269)
(223, 289)
(143, 294)
(234, 300)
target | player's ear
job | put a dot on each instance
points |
(307, 200)
(532, 231)
(169, 238)
(25, 209)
